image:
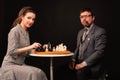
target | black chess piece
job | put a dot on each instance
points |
(49, 46)
(40, 49)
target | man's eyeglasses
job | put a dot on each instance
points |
(84, 16)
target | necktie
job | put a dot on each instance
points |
(84, 34)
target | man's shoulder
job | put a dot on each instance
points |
(99, 29)
(80, 30)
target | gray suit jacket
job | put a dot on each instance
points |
(92, 50)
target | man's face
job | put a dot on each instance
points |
(86, 19)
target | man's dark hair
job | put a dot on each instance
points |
(88, 10)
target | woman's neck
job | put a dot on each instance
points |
(23, 27)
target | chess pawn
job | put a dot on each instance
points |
(46, 49)
(54, 49)
(64, 48)
(57, 48)
(45, 46)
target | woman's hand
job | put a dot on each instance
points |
(31, 47)
(36, 45)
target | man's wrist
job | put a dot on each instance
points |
(84, 63)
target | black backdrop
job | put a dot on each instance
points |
(58, 22)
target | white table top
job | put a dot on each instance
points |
(51, 55)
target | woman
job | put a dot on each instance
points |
(13, 66)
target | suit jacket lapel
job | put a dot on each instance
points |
(86, 42)
(88, 37)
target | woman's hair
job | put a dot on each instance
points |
(22, 12)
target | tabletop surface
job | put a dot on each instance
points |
(51, 55)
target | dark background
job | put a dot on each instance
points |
(58, 22)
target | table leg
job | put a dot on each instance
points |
(51, 68)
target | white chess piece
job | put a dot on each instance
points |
(64, 48)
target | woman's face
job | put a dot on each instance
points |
(86, 19)
(28, 20)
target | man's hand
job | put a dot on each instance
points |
(79, 66)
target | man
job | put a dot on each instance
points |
(91, 43)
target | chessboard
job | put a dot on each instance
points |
(53, 52)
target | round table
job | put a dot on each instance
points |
(51, 56)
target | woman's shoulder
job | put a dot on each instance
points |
(16, 28)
